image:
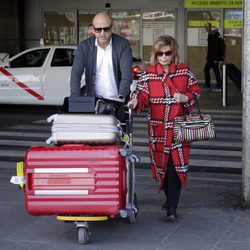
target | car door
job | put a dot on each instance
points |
(22, 81)
(57, 77)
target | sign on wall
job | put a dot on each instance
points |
(233, 23)
(201, 23)
(197, 37)
(213, 4)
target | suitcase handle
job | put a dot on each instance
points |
(49, 140)
(74, 145)
(28, 183)
(52, 118)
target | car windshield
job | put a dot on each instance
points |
(33, 58)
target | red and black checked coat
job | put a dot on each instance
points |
(155, 91)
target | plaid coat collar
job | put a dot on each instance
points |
(160, 70)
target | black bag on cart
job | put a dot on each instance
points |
(234, 74)
(81, 104)
(106, 106)
(111, 107)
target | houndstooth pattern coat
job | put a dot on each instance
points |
(155, 91)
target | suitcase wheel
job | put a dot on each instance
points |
(131, 217)
(133, 213)
(83, 235)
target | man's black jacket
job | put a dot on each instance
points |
(215, 46)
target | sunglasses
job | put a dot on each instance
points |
(105, 29)
(166, 53)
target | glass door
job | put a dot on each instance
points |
(197, 38)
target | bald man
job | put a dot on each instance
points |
(106, 59)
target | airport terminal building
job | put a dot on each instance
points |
(25, 22)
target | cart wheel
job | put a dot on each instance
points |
(83, 235)
(132, 217)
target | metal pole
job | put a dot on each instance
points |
(131, 165)
(224, 85)
(246, 106)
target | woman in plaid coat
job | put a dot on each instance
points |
(166, 87)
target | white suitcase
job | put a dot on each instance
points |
(84, 128)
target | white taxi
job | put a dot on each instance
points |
(41, 76)
(37, 76)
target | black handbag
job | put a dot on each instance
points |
(107, 106)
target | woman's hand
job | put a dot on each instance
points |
(180, 98)
(133, 103)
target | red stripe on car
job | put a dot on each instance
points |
(20, 84)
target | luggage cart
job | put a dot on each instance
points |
(41, 167)
(131, 210)
(41, 164)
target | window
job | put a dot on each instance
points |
(155, 24)
(233, 36)
(62, 58)
(127, 24)
(59, 27)
(85, 20)
(33, 58)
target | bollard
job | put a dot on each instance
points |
(224, 85)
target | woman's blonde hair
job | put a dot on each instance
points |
(164, 41)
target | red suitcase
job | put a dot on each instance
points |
(75, 180)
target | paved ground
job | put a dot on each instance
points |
(209, 214)
(209, 217)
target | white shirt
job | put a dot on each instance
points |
(105, 84)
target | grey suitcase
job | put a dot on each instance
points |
(84, 128)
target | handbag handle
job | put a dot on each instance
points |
(198, 110)
(184, 110)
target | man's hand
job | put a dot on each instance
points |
(179, 98)
(133, 103)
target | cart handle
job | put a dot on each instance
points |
(130, 119)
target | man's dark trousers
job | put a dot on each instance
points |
(215, 67)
